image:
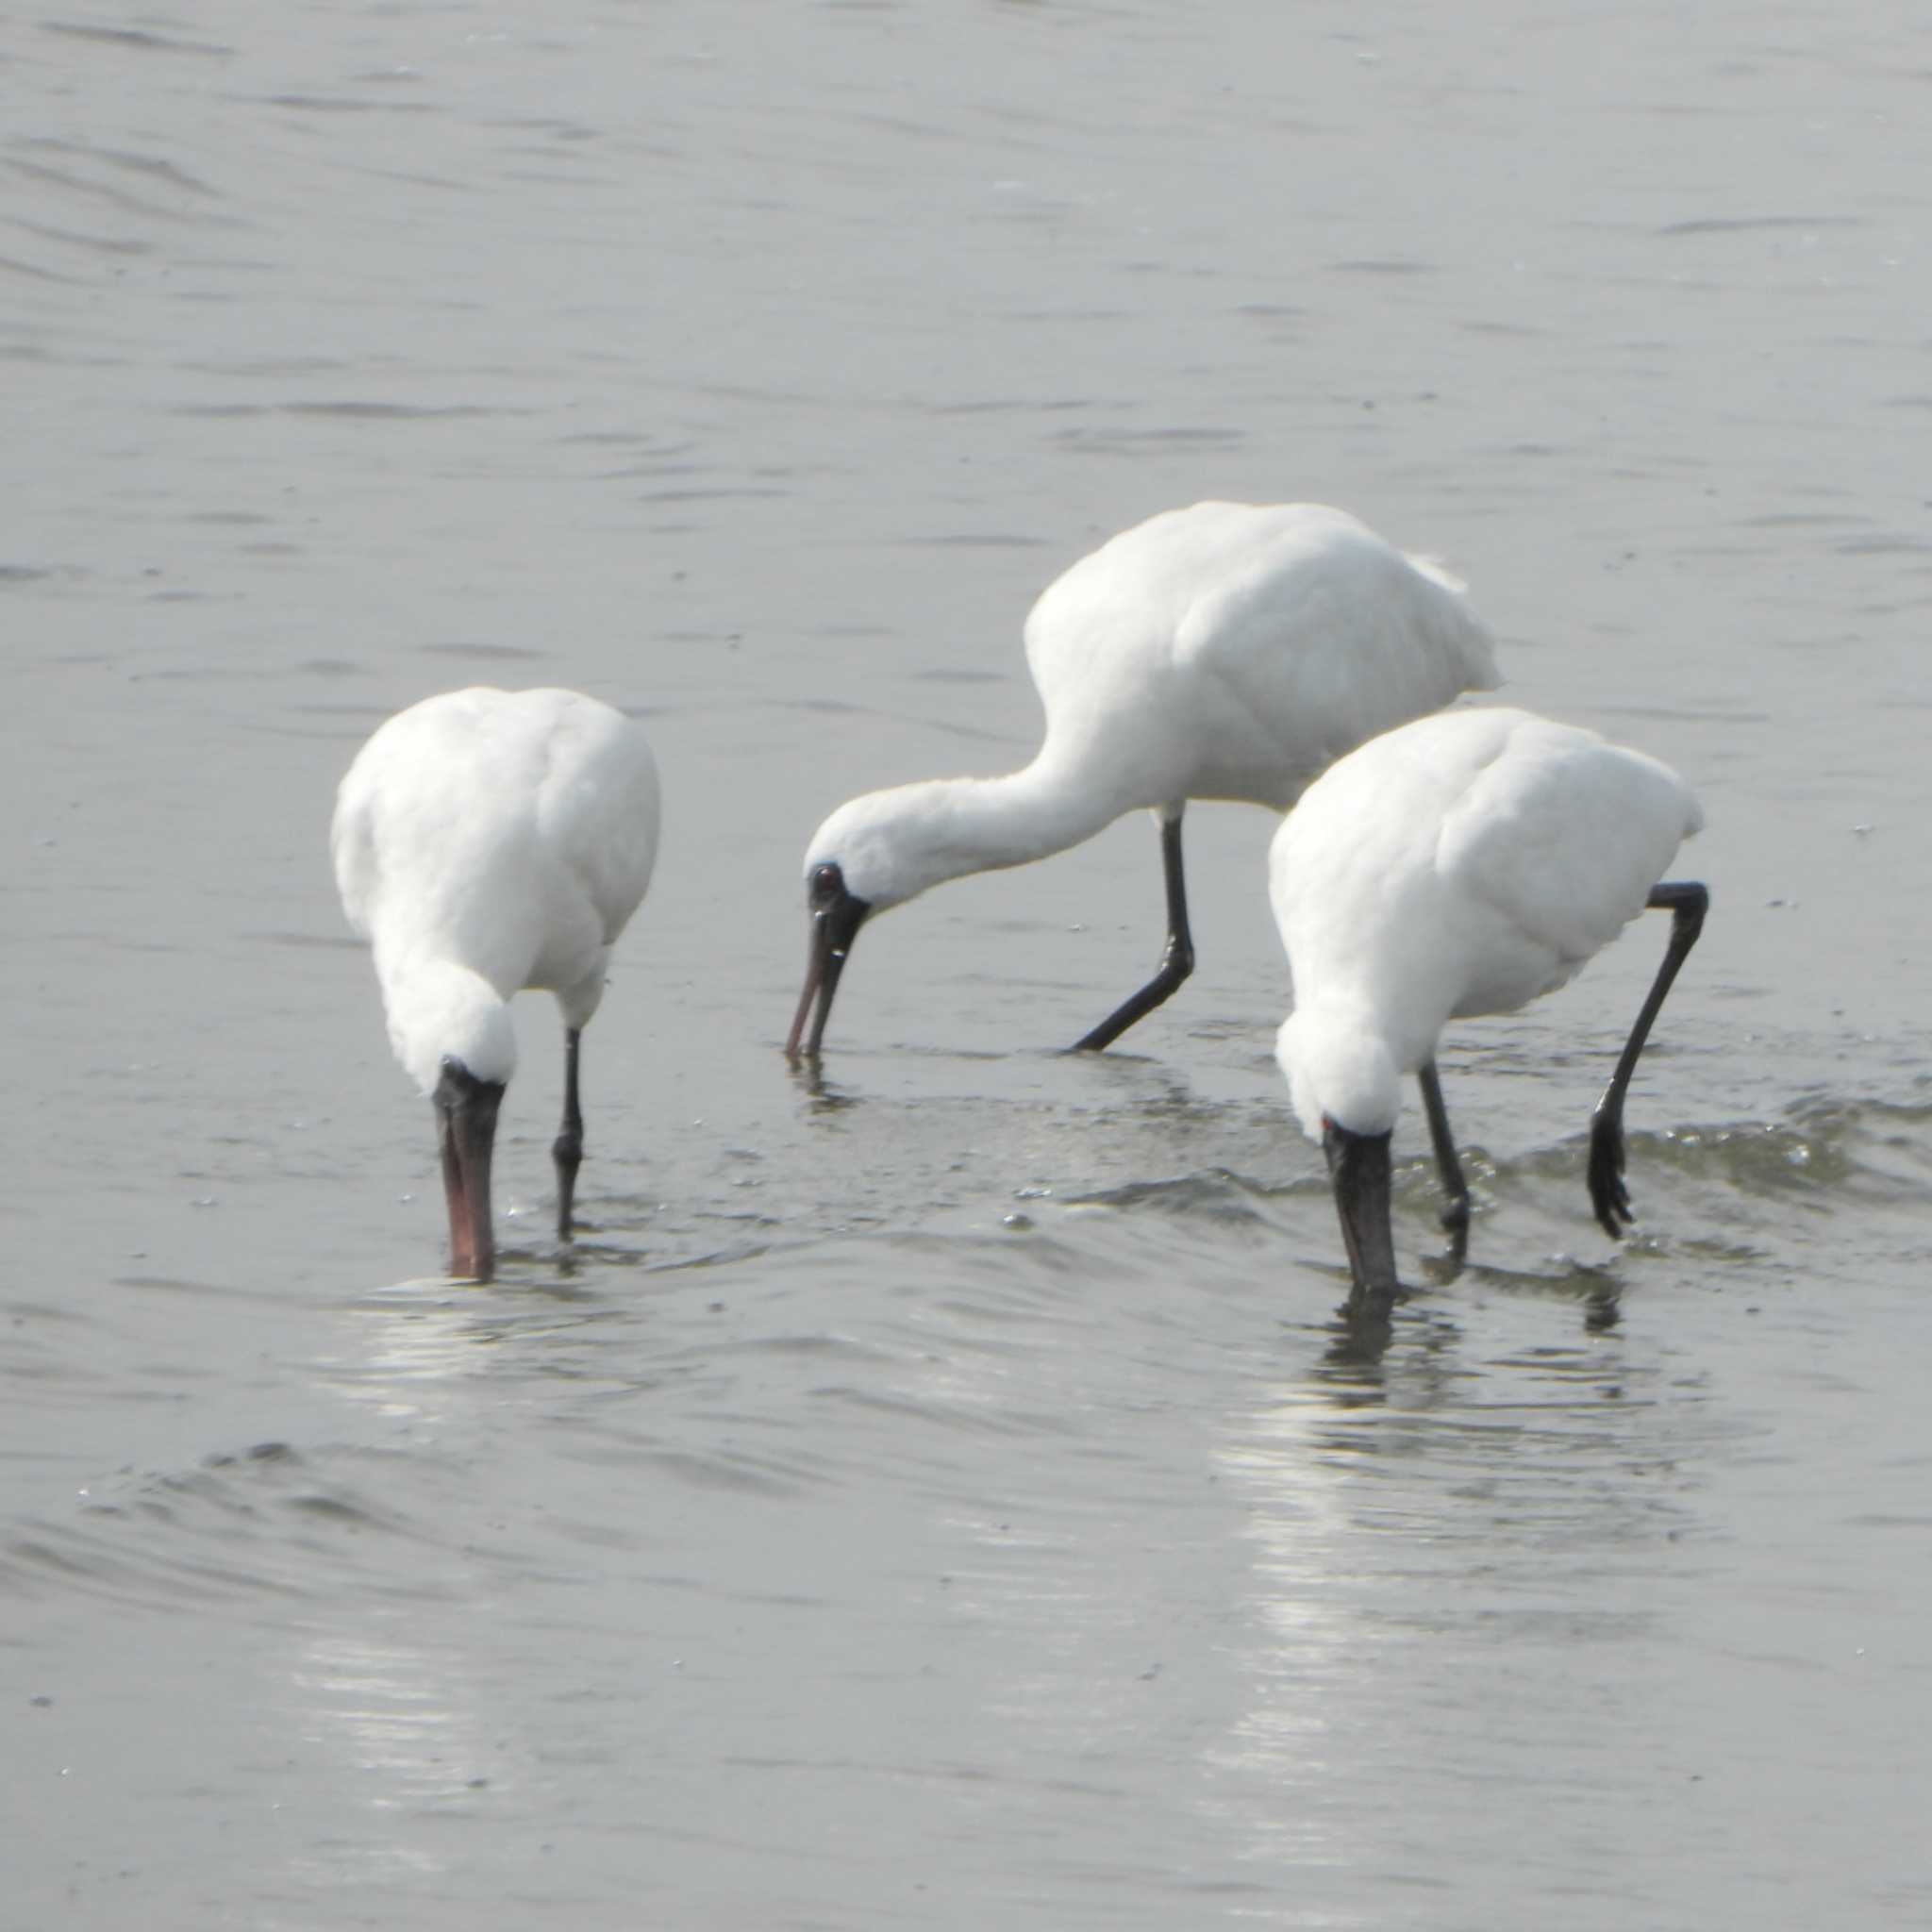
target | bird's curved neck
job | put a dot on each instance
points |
(983, 825)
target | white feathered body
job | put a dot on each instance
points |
(486, 842)
(1459, 865)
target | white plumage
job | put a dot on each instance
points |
(1227, 651)
(1459, 865)
(485, 841)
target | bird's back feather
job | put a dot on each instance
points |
(1466, 863)
(1234, 650)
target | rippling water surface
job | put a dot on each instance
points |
(940, 1493)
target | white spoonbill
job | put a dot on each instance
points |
(487, 840)
(1228, 651)
(1463, 864)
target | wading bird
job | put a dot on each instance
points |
(484, 842)
(1230, 651)
(1463, 864)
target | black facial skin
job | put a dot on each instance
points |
(836, 916)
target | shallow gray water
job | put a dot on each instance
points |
(942, 1496)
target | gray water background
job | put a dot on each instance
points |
(942, 1496)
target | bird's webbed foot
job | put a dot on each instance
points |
(1607, 1195)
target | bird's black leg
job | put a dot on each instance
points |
(1177, 961)
(1455, 1209)
(1687, 903)
(567, 1150)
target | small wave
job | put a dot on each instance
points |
(1744, 224)
(1213, 1194)
(727, 1472)
(1715, 1199)
(1821, 1152)
(497, 654)
(1132, 442)
(352, 409)
(1383, 265)
(263, 1523)
(344, 104)
(135, 37)
(908, 1415)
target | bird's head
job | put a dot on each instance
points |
(1346, 1090)
(440, 1012)
(453, 1033)
(1340, 1071)
(874, 853)
(836, 913)
(891, 846)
